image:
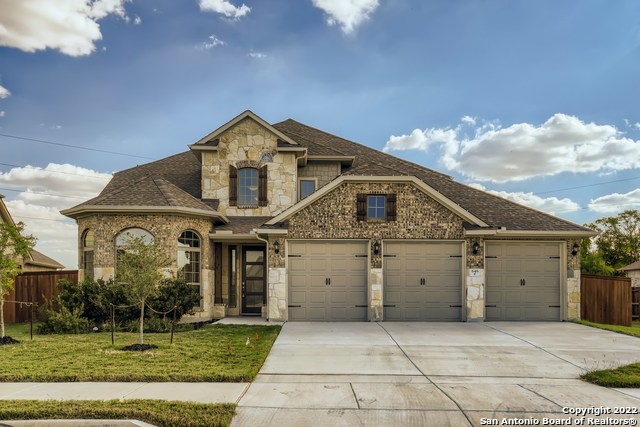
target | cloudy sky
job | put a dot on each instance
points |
(537, 101)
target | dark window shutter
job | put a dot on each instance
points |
(391, 207)
(233, 186)
(361, 207)
(262, 186)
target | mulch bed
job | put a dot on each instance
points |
(8, 340)
(139, 347)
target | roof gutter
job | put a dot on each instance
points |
(85, 210)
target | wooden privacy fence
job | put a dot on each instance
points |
(36, 287)
(605, 299)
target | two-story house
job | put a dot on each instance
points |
(288, 222)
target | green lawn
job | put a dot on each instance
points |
(624, 376)
(156, 412)
(214, 353)
(633, 330)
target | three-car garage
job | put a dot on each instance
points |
(328, 280)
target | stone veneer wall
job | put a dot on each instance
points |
(573, 281)
(325, 172)
(165, 228)
(246, 142)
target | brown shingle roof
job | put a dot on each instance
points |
(632, 266)
(38, 258)
(243, 224)
(148, 191)
(495, 211)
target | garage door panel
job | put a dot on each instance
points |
(514, 299)
(422, 280)
(311, 263)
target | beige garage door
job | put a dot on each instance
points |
(422, 281)
(327, 281)
(523, 281)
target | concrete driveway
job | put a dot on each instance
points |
(423, 374)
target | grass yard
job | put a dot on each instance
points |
(633, 330)
(624, 376)
(156, 412)
(215, 353)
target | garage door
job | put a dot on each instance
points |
(523, 281)
(422, 281)
(327, 281)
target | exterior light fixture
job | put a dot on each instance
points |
(475, 247)
(376, 248)
(276, 247)
(575, 249)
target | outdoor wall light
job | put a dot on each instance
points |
(376, 248)
(575, 249)
(475, 247)
(276, 247)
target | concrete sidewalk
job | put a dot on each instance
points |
(187, 392)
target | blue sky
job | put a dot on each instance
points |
(529, 99)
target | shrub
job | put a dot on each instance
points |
(65, 321)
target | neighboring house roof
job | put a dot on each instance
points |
(36, 258)
(632, 266)
(183, 172)
(41, 260)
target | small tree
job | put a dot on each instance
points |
(616, 245)
(139, 270)
(14, 246)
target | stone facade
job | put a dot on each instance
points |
(165, 229)
(244, 145)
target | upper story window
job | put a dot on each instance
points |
(376, 207)
(307, 187)
(248, 186)
(87, 253)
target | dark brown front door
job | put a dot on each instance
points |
(253, 279)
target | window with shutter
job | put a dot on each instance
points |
(391, 207)
(233, 186)
(262, 186)
(361, 207)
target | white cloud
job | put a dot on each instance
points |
(137, 20)
(2, 113)
(225, 8)
(4, 92)
(66, 25)
(522, 151)
(257, 55)
(213, 42)
(551, 205)
(616, 202)
(349, 14)
(637, 125)
(48, 191)
(468, 120)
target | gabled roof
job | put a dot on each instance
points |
(210, 138)
(632, 266)
(495, 211)
(41, 260)
(147, 194)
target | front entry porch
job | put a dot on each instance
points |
(240, 278)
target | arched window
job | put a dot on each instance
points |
(87, 254)
(189, 257)
(123, 237)
(248, 187)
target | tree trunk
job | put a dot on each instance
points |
(142, 322)
(2, 316)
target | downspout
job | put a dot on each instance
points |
(266, 260)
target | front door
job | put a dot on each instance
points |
(253, 279)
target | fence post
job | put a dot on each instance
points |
(113, 323)
(173, 323)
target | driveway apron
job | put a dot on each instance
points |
(435, 374)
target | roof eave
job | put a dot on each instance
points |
(80, 211)
(497, 233)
